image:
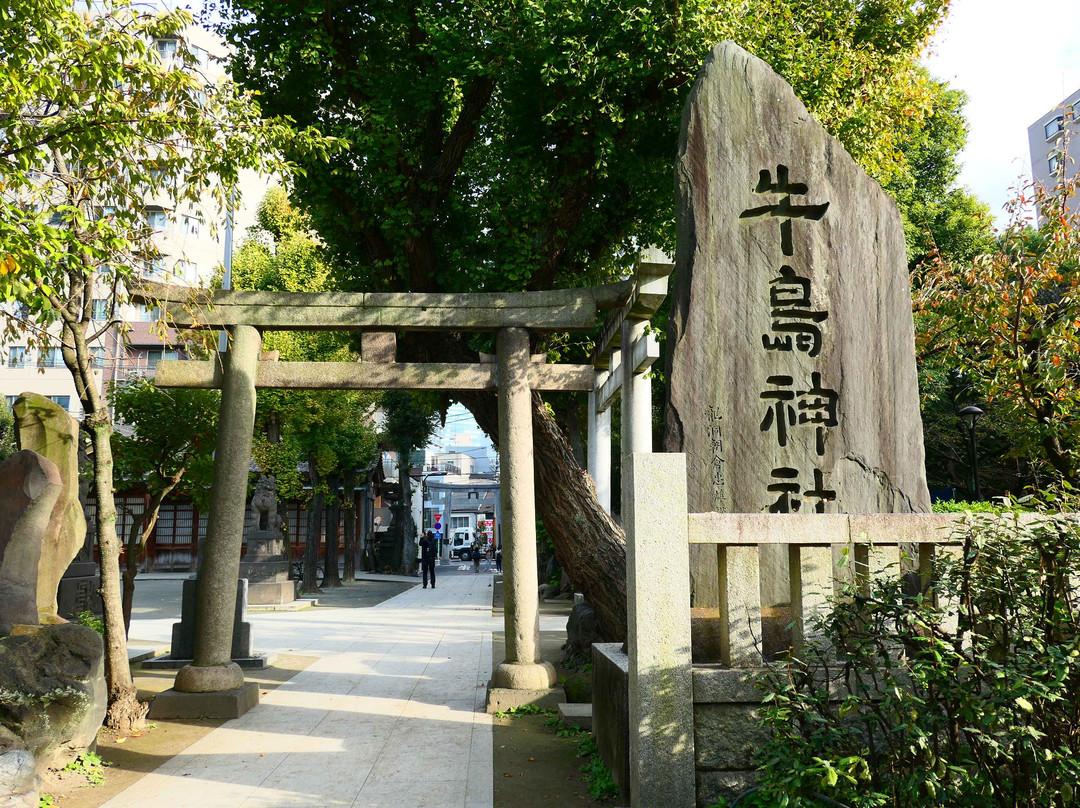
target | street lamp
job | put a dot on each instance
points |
(971, 414)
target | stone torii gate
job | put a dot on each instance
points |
(622, 356)
(212, 681)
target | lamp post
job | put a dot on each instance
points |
(971, 414)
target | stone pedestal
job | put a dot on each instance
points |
(266, 570)
(183, 633)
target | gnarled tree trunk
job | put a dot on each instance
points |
(589, 545)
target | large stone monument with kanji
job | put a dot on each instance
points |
(791, 368)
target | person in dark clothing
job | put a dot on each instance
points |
(428, 548)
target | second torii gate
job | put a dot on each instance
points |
(239, 371)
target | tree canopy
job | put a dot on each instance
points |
(1008, 325)
(498, 146)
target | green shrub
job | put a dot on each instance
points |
(966, 694)
(91, 620)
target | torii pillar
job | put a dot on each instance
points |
(212, 669)
(523, 668)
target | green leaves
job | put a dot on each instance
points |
(965, 695)
(507, 146)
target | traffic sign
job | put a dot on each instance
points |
(438, 534)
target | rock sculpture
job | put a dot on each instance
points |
(44, 427)
(31, 486)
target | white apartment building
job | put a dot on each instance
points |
(1054, 144)
(191, 242)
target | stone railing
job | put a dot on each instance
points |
(874, 543)
(691, 730)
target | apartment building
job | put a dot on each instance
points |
(191, 242)
(1054, 145)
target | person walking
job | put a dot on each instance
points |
(428, 548)
(498, 559)
(477, 554)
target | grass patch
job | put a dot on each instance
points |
(90, 766)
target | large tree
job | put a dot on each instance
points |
(508, 146)
(94, 123)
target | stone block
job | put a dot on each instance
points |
(17, 779)
(576, 715)
(726, 736)
(183, 633)
(714, 787)
(172, 703)
(43, 426)
(501, 699)
(32, 486)
(611, 712)
(271, 593)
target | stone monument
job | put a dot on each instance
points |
(31, 486)
(44, 427)
(264, 564)
(52, 682)
(791, 365)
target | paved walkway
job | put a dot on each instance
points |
(391, 715)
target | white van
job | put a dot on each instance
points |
(461, 545)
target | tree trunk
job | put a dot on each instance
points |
(125, 713)
(588, 542)
(138, 536)
(573, 433)
(408, 532)
(349, 506)
(331, 578)
(310, 583)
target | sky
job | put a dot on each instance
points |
(1016, 61)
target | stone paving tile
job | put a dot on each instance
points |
(414, 794)
(389, 716)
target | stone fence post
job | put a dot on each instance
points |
(658, 644)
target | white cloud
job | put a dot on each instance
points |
(1015, 61)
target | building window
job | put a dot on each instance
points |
(155, 355)
(146, 315)
(457, 522)
(1054, 126)
(11, 401)
(187, 270)
(51, 358)
(99, 309)
(166, 48)
(156, 218)
(17, 356)
(192, 225)
(1055, 165)
(63, 401)
(97, 356)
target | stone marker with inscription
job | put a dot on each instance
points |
(791, 366)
